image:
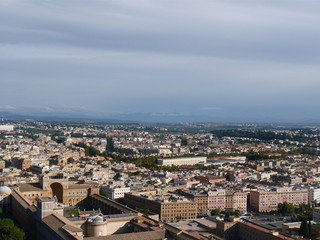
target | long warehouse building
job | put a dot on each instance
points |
(181, 161)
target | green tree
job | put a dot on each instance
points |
(286, 208)
(184, 142)
(304, 228)
(110, 145)
(215, 212)
(105, 154)
(8, 231)
(60, 139)
(102, 192)
(304, 210)
(92, 151)
(146, 210)
(237, 213)
(70, 160)
(310, 229)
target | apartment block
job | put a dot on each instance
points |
(115, 192)
(200, 198)
(314, 195)
(268, 200)
(236, 200)
(169, 207)
(217, 199)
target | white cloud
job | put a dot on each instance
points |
(7, 107)
(210, 108)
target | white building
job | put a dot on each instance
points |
(316, 214)
(115, 192)
(265, 175)
(6, 128)
(181, 161)
(314, 195)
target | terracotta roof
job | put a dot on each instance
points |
(263, 229)
(61, 226)
(26, 187)
(153, 235)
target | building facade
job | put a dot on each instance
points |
(268, 200)
(200, 198)
(181, 161)
(115, 192)
(169, 208)
(314, 195)
(58, 186)
(217, 199)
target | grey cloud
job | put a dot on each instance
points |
(161, 56)
(236, 29)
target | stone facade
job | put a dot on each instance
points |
(57, 185)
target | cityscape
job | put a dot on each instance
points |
(159, 120)
(94, 180)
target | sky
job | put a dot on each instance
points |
(162, 60)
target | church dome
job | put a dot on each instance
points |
(5, 190)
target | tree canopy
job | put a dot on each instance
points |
(8, 231)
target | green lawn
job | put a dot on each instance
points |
(73, 212)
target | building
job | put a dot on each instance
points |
(201, 198)
(314, 195)
(223, 199)
(210, 179)
(181, 161)
(6, 128)
(316, 214)
(268, 200)
(195, 229)
(47, 220)
(217, 199)
(236, 201)
(21, 163)
(2, 164)
(47, 206)
(169, 207)
(246, 230)
(57, 185)
(227, 199)
(115, 192)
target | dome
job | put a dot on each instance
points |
(98, 219)
(5, 190)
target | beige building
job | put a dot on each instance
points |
(268, 200)
(246, 230)
(169, 207)
(217, 199)
(46, 220)
(236, 200)
(57, 185)
(200, 198)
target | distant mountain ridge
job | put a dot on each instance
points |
(153, 117)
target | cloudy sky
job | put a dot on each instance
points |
(192, 60)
